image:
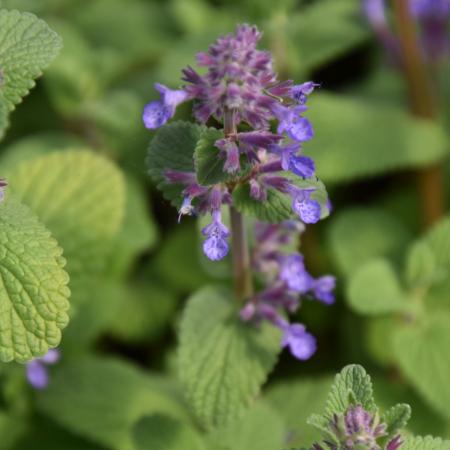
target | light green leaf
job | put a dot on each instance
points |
(348, 145)
(160, 432)
(173, 148)
(4, 122)
(375, 289)
(439, 241)
(27, 47)
(277, 207)
(396, 418)
(222, 361)
(295, 401)
(102, 399)
(208, 161)
(80, 197)
(33, 285)
(420, 266)
(260, 428)
(425, 443)
(138, 232)
(421, 350)
(360, 234)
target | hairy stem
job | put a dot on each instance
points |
(241, 257)
(429, 179)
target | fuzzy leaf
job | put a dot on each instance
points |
(33, 285)
(172, 147)
(277, 207)
(222, 361)
(160, 432)
(348, 146)
(260, 428)
(375, 289)
(422, 352)
(208, 162)
(4, 122)
(396, 418)
(27, 46)
(425, 443)
(360, 234)
(80, 197)
(101, 399)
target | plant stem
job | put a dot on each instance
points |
(429, 179)
(241, 257)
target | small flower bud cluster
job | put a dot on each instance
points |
(3, 185)
(287, 283)
(433, 17)
(241, 88)
(358, 429)
(37, 372)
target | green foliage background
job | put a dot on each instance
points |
(73, 153)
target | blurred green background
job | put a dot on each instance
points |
(118, 352)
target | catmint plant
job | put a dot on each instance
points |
(433, 19)
(260, 129)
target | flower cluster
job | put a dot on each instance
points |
(358, 428)
(287, 283)
(37, 373)
(3, 184)
(264, 129)
(241, 88)
(433, 17)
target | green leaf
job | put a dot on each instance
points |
(420, 266)
(173, 148)
(348, 146)
(295, 401)
(396, 418)
(358, 235)
(208, 161)
(4, 122)
(260, 428)
(143, 313)
(375, 289)
(439, 241)
(27, 47)
(33, 285)
(222, 361)
(325, 30)
(277, 207)
(102, 399)
(160, 432)
(421, 350)
(80, 197)
(425, 443)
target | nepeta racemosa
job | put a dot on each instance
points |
(262, 127)
(37, 372)
(433, 18)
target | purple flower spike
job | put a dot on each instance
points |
(300, 130)
(323, 289)
(300, 92)
(158, 112)
(395, 443)
(3, 184)
(294, 274)
(216, 246)
(301, 343)
(302, 166)
(230, 151)
(36, 370)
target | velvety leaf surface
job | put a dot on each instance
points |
(33, 285)
(222, 361)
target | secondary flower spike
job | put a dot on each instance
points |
(260, 130)
(37, 372)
